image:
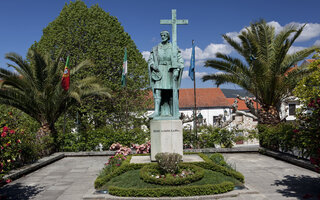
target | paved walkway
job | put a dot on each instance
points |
(72, 177)
(66, 179)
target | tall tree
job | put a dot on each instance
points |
(35, 88)
(265, 69)
(91, 33)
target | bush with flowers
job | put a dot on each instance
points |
(10, 148)
(124, 150)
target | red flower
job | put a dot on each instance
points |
(3, 134)
(2, 147)
(5, 129)
(8, 181)
(295, 130)
(8, 144)
(12, 131)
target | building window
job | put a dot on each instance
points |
(292, 109)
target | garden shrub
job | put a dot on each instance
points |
(210, 165)
(106, 174)
(89, 140)
(171, 179)
(208, 137)
(218, 159)
(168, 162)
(173, 191)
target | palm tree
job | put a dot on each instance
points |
(35, 88)
(265, 68)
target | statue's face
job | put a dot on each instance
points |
(164, 37)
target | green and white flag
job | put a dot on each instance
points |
(124, 68)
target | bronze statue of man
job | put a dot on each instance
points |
(165, 66)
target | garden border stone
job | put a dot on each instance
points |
(288, 158)
(17, 173)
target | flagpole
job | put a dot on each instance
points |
(195, 99)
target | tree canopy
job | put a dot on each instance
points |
(265, 67)
(35, 88)
(91, 33)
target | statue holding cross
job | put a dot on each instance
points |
(165, 67)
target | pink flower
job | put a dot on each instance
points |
(2, 147)
(3, 134)
(5, 129)
(12, 131)
(8, 144)
(8, 181)
(18, 141)
(118, 165)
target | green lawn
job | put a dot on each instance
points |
(131, 179)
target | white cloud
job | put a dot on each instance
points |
(276, 25)
(208, 53)
(317, 43)
(145, 55)
(311, 30)
(234, 36)
(185, 74)
(294, 49)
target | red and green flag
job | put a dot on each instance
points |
(65, 83)
(124, 68)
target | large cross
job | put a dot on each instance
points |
(174, 21)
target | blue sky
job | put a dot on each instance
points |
(21, 23)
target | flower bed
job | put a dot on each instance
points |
(188, 174)
(117, 180)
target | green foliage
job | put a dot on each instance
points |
(35, 88)
(91, 33)
(309, 87)
(265, 69)
(25, 129)
(206, 186)
(106, 176)
(210, 165)
(168, 162)
(218, 159)
(278, 137)
(171, 179)
(173, 191)
(89, 140)
(10, 148)
(208, 137)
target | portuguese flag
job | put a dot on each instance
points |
(65, 83)
(124, 69)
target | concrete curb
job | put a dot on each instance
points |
(288, 158)
(236, 149)
(17, 173)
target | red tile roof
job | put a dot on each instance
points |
(206, 97)
(241, 104)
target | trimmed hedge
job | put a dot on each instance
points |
(210, 165)
(173, 191)
(170, 180)
(125, 166)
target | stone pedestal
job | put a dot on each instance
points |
(166, 136)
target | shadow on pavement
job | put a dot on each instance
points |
(300, 187)
(19, 191)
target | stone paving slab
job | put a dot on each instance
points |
(73, 178)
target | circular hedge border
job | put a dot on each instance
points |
(170, 180)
